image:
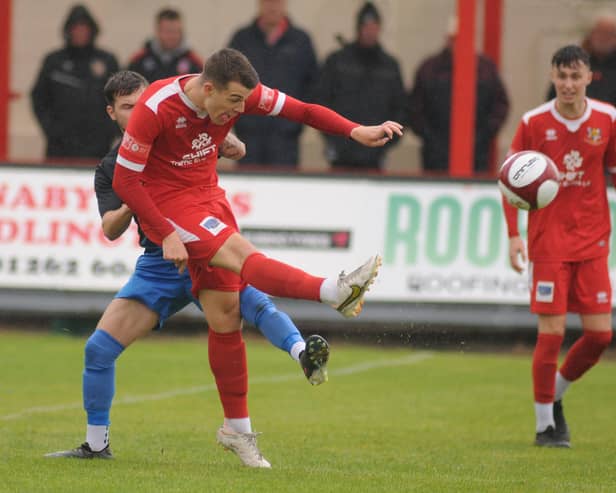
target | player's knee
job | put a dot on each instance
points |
(255, 304)
(266, 308)
(101, 351)
(601, 339)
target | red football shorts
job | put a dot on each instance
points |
(579, 287)
(203, 228)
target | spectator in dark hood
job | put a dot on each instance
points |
(362, 82)
(67, 96)
(167, 53)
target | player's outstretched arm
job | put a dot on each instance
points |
(376, 135)
(328, 121)
(517, 253)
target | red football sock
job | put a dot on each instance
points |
(545, 360)
(279, 279)
(227, 355)
(585, 353)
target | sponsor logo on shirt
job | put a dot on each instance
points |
(202, 140)
(180, 122)
(213, 225)
(202, 146)
(134, 146)
(550, 134)
(573, 176)
(266, 102)
(545, 292)
(593, 136)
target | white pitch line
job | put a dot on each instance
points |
(348, 370)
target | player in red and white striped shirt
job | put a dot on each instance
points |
(568, 241)
(166, 174)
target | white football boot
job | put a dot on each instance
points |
(244, 445)
(353, 286)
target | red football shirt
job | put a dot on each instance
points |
(167, 159)
(576, 226)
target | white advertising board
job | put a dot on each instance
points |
(440, 241)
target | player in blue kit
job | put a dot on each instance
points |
(156, 291)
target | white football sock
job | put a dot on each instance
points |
(241, 425)
(97, 437)
(329, 291)
(544, 414)
(562, 384)
(296, 349)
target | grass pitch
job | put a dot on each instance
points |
(389, 420)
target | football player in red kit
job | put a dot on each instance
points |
(166, 174)
(568, 241)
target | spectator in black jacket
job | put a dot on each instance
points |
(167, 53)
(363, 83)
(284, 56)
(67, 97)
(429, 107)
(600, 44)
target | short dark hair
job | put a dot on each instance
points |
(229, 65)
(570, 55)
(123, 83)
(168, 15)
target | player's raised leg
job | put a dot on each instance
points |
(345, 293)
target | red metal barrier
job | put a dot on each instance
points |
(462, 140)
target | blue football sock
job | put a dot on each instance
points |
(101, 351)
(259, 310)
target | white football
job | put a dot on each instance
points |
(528, 180)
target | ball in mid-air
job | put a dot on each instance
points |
(528, 180)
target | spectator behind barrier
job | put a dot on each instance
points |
(67, 97)
(364, 83)
(429, 107)
(600, 44)
(284, 56)
(167, 53)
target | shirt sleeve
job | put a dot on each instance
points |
(272, 102)
(143, 128)
(106, 198)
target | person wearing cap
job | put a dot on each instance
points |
(429, 107)
(284, 56)
(67, 97)
(362, 81)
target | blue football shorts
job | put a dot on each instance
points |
(157, 284)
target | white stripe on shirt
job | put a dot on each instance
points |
(279, 104)
(163, 93)
(122, 161)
